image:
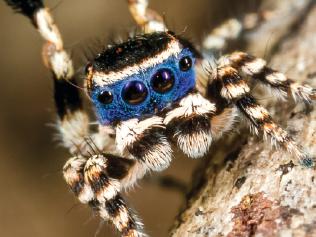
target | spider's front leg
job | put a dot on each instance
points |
(145, 141)
(97, 182)
(189, 124)
(232, 87)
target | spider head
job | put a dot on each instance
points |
(141, 77)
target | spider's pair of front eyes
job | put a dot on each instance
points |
(135, 92)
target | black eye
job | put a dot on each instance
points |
(163, 81)
(185, 63)
(134, 92)
(105, 97)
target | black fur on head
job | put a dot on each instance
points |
(135, 50)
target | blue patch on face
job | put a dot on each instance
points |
(147, 92)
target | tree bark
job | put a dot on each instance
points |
(249, 189)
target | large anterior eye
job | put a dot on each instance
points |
(163, 80)
(105, 97)
(185, 63)
(134, 92)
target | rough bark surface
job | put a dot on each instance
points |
(256, 190)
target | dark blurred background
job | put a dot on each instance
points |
(34, 199)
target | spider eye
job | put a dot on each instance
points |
(134, 92)
(185, 63)
(163, 81)
(105, 97)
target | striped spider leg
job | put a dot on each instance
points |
(228, 82)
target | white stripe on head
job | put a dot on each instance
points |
(103, 79)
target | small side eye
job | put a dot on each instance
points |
(185, 63)
(163, 81)
(134, 92)
(105, 97)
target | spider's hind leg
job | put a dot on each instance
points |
(235, 89)
(257, 69)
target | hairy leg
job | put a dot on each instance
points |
(145, 141)
(188, 124)
(97, 182)
(282, 86)
(234, 89)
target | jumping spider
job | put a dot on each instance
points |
(150, 92)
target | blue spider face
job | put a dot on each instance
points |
(143, 88)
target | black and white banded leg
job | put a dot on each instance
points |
(97, 182)
(189, 124)
(146, 141)
(257, 69)
(235, 89)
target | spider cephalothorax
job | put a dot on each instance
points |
(141, 77)
(147, 96)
